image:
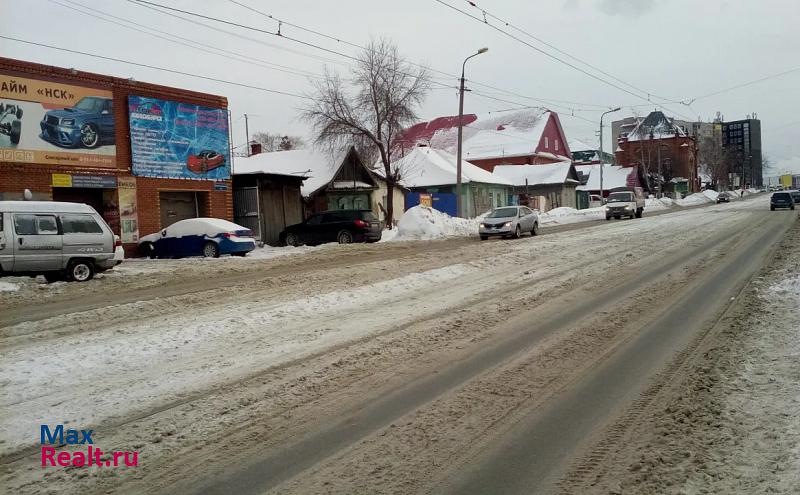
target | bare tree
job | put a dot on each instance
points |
(277, 142)
(382, 100)
(714, 159)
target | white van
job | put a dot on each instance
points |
(54, 239)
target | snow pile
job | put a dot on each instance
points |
(704, 197)
(267, 252)
(422, 223)
(658, 204)
(566, 215)
(8, 287)
(788, 290)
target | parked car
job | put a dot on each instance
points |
(342, 226)
(595, 201)
(781, 200)
(208, 237)
(204, 161)
(625, 203)
(88, 124)
(54, 239)
(10, 123)
(509, 221)
(795, 195)
(723, 197)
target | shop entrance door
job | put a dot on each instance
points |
(178, 205)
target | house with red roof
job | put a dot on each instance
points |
(531, 136)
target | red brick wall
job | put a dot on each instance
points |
(683, 158)
(15, 177)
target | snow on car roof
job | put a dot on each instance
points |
(204, 226)
(424, 166)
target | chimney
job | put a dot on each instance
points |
(255, 148)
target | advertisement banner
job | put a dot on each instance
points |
(178, 140)
(53, 123)
(128, 217)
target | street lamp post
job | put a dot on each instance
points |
(602, 158)
(460, 117)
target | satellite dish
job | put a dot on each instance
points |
(28, 195)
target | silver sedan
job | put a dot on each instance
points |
(509, 221)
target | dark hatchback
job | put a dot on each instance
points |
(781, 200)
(342, 226)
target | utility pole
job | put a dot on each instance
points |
(247, 133)
(602, 157)
(460, 126)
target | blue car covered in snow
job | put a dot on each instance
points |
(207, 237)
(88, 124)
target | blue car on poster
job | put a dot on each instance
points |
(207, 237)
(87, 124)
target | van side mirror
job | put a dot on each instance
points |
(164, 233)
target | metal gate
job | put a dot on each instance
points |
(245, 209)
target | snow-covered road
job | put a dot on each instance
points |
(288, 340)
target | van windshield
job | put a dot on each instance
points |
(620, 197)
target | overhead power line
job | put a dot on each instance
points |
(749, 83)
(180, 40)
(155, 67)
(556, 58)
(552, 46)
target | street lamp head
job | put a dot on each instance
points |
(617, 109)
(483, 50)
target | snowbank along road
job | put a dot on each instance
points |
(426, 367)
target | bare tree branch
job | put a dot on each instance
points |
(381, 101)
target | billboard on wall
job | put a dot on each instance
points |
(178, 140)
(54, 123)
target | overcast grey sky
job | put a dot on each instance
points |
(677, 50)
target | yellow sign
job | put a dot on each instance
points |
(786, 181)
(49, 122)
(128, 216)
(426, 200)
(62, 180)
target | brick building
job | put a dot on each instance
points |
(66, 135)
(658, 144)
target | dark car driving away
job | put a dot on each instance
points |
(781, 200)
(342, 226)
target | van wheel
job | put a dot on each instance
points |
(210, 250)
(535, 229)
(80, 271)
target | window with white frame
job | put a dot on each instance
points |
(546, 142)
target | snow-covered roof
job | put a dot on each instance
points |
(658, 125)
(424, 167)
(578, 145)
(494, 135)
(613, 176)
(318, 166)
(553, 173)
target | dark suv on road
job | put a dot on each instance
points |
(342, 226)
(88, 124)
(781, 200)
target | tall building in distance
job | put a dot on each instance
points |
(742, 138)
